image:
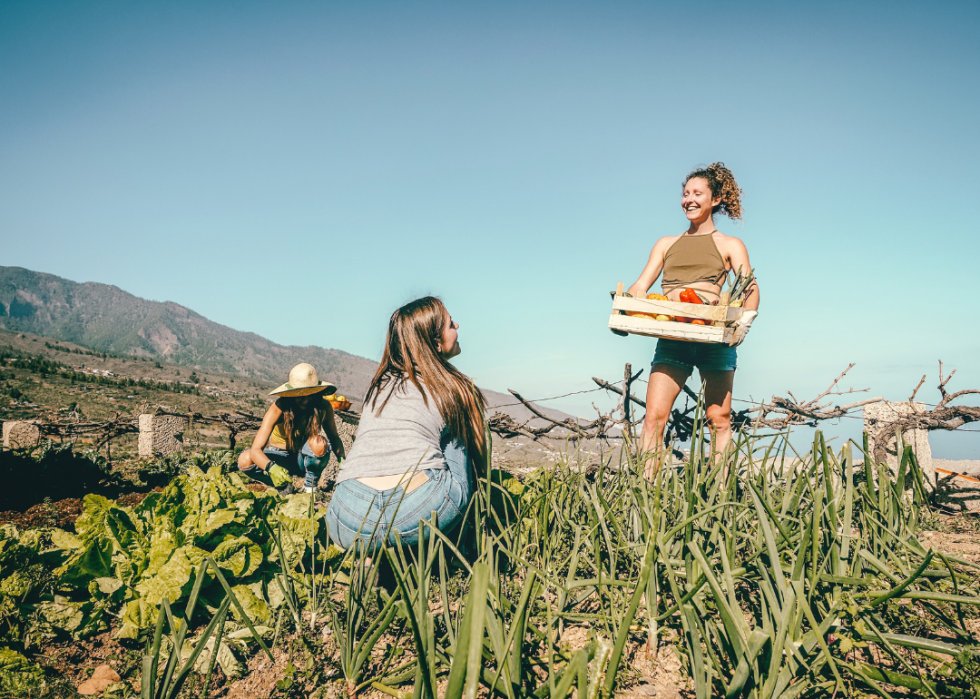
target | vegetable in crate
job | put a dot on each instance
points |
(638, 314)
(690, 296)
(739, 286)
(659, 316)
(738, 295)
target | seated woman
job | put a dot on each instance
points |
(421, 440)
(292, 432)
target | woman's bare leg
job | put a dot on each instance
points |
(718, 407)
(318, 445)
(666, 381)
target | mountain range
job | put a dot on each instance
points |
(107, 319)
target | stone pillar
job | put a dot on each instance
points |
(161, 435)
(21, 435)
(878, 415)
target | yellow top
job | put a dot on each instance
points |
(278, 436)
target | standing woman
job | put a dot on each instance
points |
(421, 441)
(700, 258)
(292, 432)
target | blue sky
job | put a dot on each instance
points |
(300, 169)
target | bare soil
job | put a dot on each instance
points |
(62, 513)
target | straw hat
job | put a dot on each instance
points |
(303, 381)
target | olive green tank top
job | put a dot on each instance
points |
(693, 258)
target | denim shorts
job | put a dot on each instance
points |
(703, 355)
(358, 511)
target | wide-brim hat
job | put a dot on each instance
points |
(303, 381)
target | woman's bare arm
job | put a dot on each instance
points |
(330, 427)
(738, 257)
(654, 266)
(258, 456)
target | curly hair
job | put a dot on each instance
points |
(723, 184)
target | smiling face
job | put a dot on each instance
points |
(449, 343)
(697, 201)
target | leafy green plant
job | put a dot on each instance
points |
(168, 683)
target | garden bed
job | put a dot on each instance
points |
(584, 578)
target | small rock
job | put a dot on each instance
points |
(105, 672)
(648, 689)
(100, 679)
(957, 494)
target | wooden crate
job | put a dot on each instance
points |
(719, 319)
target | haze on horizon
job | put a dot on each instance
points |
(300, 169)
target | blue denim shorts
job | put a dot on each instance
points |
(358, 511)
(703, 355)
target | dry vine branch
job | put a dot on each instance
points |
(830, 389)
(942, 388)
(791, 411)
(942, 417)
(617, 390)
(921, 381)
(499, 421)
(105, 430)
(102, 431)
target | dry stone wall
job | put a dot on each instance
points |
(160, 435)
(876, 415)
(21, 435)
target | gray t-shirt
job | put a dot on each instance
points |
(405, 437)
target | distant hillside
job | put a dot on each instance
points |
(108, 319)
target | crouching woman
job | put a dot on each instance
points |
(296, 433)
(421, 439)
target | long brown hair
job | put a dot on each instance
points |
(412, 354)
(301, 423)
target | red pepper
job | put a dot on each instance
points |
(689, 296)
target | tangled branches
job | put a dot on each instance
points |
(790, 411)
(943, 417)
(779, 412)
(100, 432)
(503, 425)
